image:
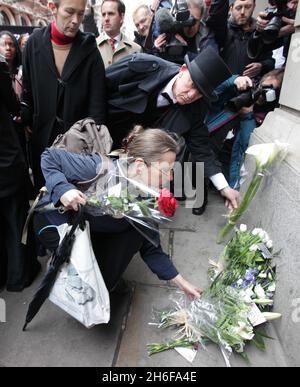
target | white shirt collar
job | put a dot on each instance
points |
(117, 38)
(162, 101)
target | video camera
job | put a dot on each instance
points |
(252, 95)
(173, 22)
(275, 13)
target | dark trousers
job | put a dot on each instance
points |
(18, 263)
(113, 251)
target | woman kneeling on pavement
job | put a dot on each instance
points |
(115, 241)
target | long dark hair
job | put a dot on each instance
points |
(18, 56)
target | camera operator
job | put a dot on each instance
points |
(274, 28)
(257, 103)
(142, 18)
(194, 36)
(234, 42)
(241, 107)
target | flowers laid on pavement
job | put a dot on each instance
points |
(265, 155)
(237, 303)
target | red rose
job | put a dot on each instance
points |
(167, 204)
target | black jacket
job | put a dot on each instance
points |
(134, 84)
(78, 93)
(12, 166)
(233, 41)
(235, 50)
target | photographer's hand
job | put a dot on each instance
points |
(262, 21)
(154, 5)
(247, 110)
(252, 70)
(180, 39)
(243, 83)
(160, 42)
(288, 29)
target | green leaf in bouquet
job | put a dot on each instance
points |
(144, 208)
(116, 203)
(245, 357)
(259, 342)
(261, 332)
(155, 348)
(93, 201)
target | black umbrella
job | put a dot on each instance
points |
(60, 256)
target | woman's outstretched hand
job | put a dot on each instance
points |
(190, 290)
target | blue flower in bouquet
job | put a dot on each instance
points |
(250, 275)
(245, 284)
(247, 281)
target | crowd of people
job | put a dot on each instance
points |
(202, 74)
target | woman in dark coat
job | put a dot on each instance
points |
(18, 265)
(151, 156)
(10, 49)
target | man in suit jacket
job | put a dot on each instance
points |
(112, 43)
(146, 90)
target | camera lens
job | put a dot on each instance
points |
(271, 32)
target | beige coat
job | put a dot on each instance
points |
(125, 47)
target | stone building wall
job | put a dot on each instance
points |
(277, 208)
(24, 13)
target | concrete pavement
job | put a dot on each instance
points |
(55, 339)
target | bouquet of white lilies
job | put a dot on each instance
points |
(265, 156)
(239, 299)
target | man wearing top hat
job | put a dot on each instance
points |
(149, 91)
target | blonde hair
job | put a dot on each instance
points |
(149, 145)
(197, 4)
(144, 7)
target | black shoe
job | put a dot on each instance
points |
(200, 210)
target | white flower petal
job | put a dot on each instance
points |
(266, 153)
(259, 291)
(272, 288)
(243, 228)
(253, 248)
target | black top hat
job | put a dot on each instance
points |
(208, 71)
